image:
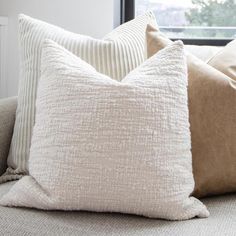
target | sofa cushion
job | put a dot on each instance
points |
(225, 60)
(7, 118)
(36, 222)
(204, 53)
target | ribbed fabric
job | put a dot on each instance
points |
(116, 55)
(104, 145)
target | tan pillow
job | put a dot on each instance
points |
(212, 107)
(225, 60)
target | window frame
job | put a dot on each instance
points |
(128, 13)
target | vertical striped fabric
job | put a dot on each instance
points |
(115, 55)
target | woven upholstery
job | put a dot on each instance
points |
(15, 221)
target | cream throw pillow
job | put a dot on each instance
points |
(225, 60)
(212, 113)
(116, 55)
(103, 145)
(205, 53)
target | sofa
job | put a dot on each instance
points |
(19, 221)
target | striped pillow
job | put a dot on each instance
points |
(116, 55)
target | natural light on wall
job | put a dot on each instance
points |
(193, 18)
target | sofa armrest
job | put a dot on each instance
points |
(7, 120)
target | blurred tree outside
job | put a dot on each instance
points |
(213, 13)
(194, 19)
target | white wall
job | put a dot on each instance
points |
(90, 17)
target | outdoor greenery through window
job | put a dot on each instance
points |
(203, 19)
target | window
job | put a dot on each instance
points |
(195, 21)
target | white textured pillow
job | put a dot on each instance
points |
(120, 52)
(103, 145)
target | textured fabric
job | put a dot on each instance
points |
(225, 60)
(212, 111)
(36, 222)
(104, 145)
(204, 53)
(120, 52)
(7, 119)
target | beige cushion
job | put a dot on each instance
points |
(116, 55)
(204, 53)
(103, 145)
(225, 60)
(212, 107)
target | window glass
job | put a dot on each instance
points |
(193, 18)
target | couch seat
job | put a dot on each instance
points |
(18, 221)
